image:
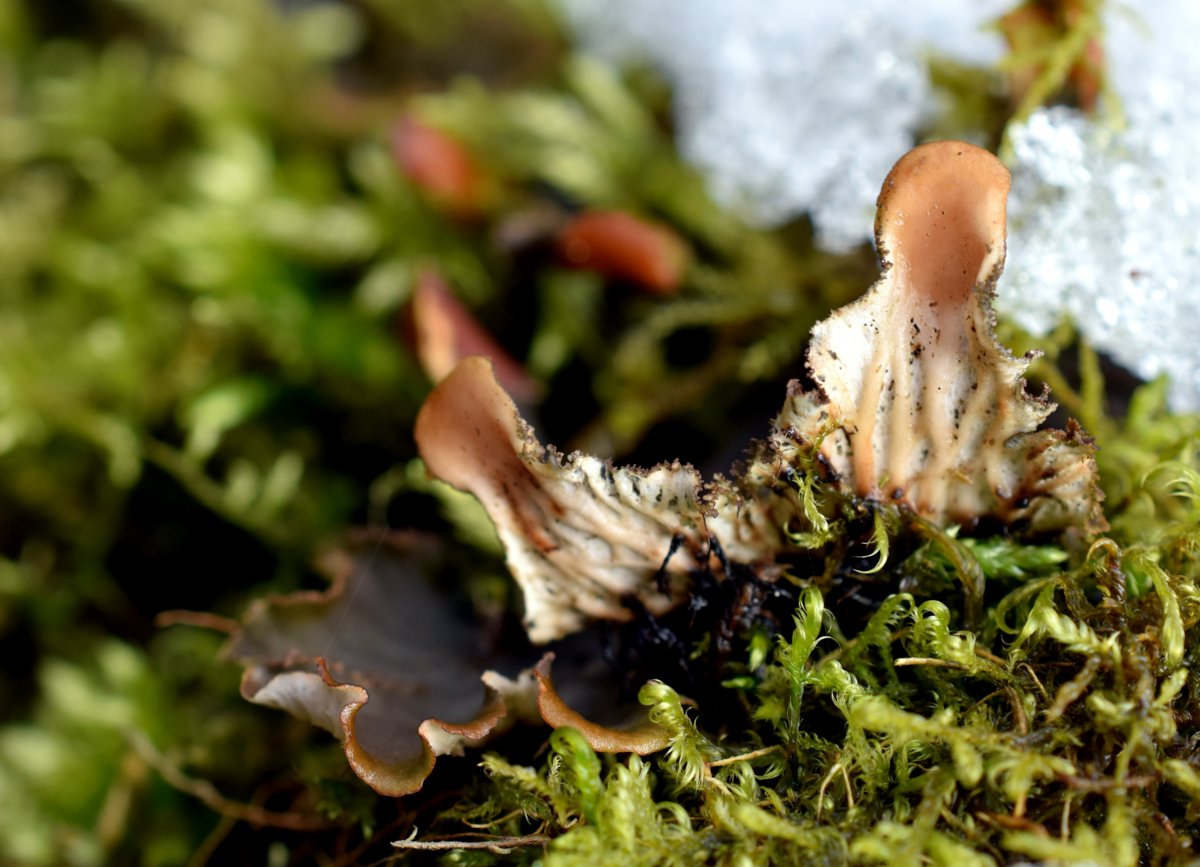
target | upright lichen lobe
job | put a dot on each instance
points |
(581, 536)
(927, 408)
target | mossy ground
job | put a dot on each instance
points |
(205, 249)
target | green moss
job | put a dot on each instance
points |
(1059, 729)
(202, 384)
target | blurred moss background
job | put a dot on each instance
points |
(208, 238)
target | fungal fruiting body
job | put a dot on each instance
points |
(583, 538)
(578, 535)
(916, 404)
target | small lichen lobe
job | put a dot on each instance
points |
(928, 409)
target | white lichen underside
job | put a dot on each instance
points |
(584, 539)
(919, 403)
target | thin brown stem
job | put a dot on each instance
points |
(208, 794)
(199, 619)
(495, 845)
(928, 660)
(745, 757)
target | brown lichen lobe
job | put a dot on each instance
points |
(926, 407)
(581, 536)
